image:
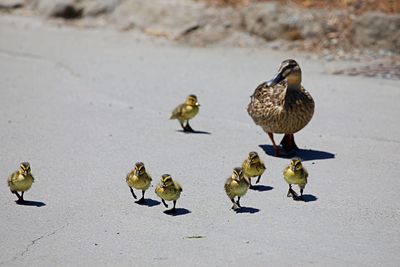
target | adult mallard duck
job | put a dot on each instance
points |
(282, 105)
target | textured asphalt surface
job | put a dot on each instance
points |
(83, 105)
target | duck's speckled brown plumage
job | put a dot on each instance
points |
(278, 109)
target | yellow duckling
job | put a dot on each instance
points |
(186, 111)
(295, 173)
(21, 180)
(168, 190)
(253, 166)
(282, 105)
(138, 178)
(236, 186)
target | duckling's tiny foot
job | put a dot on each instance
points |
(133, 193)
(291, 193)
(20, 201)
(18, 196)
(238, 203)
(188, 129)
(235, 207)
(142, 200)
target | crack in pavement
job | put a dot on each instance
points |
(32, 243)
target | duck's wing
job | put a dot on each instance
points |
(177, 111)
(265, 101)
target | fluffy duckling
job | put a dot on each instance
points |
(253, 166)
(282, 105)
(21, 180)
(186, 111)
(295, 173)
(168, 190)
(138, 178)
(236, 186)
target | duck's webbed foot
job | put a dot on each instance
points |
(288, 142)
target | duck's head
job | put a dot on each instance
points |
(139, 168)
(289, 71)
(253, 157)
(191, 100)
(295, 165)
(237, 173)
(166, 180)
(24, 168)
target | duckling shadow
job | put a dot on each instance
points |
(307, 198)
(148, 202)
(177, 212)
(247, 210)
(261, 188)
(30, 203)
(304, 154)
(193, 132)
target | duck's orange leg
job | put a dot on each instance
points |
(276, 148)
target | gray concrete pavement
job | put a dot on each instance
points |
(82, 106)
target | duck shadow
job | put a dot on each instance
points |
(30, 203)
(193, 132)
(304, 154)
(177, 212)
(148, 202)
(247, 210)
(261, 188)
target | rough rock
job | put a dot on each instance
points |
(179, 20)
(98, 7)
(11, 4)
(276, 21)
(379, 30)
(59, 8)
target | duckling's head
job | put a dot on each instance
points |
(253, 157)
(139, 168)
(166, 180)
(295, 165)
(237, 173)
(24, 168)
(289, 71)
(191, 100)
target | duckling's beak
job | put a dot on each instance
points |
(197, 104)
(277, 79)
(293, 168)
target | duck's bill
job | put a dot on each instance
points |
(277, 79)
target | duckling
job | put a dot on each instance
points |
(236, 185)
(253, 166)
(282, 105)
(186, 111)
(295, 173)
(168, 190)
(21, 180)
(139, 179)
